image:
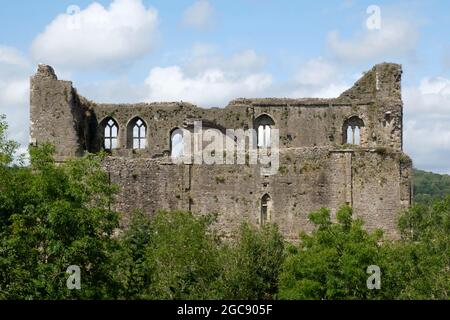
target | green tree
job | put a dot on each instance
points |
(428, 186)
(331, 262)
(182, 257)
(418, 265)
(177, 255)
(10, 175)
(173, 255)
(129, 265)
(55, 216)
(253, 263)
(7, 147)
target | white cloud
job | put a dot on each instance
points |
(446, 58)
(212, 80)
(427, 124)
(204, 57)
(436, 85)
(395, 37)
(246, 60)
(210, 88)
(317, 71)
(14, 83)
(431, 99)
(12, 56)
(319, 78)
(202, 76)
(14, 93)
(97, 35)
(203, 49)
(199, 15)
(114, 91)
(331, 90)
(428, 144)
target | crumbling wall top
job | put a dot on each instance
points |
(46, 71)
(382, 81)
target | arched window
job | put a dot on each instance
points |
(266, 206)
(263, 125)
(110, 134)
(353, 131)
(137, 134)
(176, 143)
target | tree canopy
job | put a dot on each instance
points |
(53, 216)
(429, 186)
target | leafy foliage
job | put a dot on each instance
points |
(331, 262)
(177, 255)
(430, 186)
(7, 147)
(424, 252)
(56, 215)
(253, 263)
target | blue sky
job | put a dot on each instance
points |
(211, 51)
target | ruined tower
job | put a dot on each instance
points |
(331, 152)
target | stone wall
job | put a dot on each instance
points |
(55, 114)
(308, 179)
(317, 169)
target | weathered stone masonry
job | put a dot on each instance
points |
(317, 167)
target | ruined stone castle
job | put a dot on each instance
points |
(331, 152)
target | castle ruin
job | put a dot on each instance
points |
(344, 150)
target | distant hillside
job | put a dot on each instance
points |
(429, 186)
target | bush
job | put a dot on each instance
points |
(253, 263)
(330, 263)
(56, 216)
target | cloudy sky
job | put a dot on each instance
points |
(211, 51)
